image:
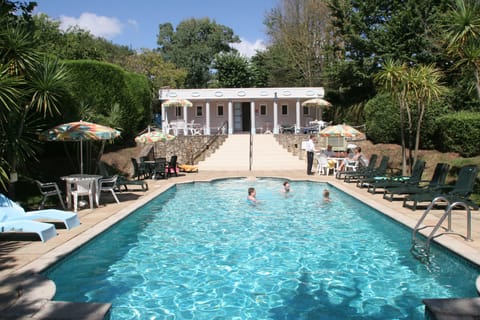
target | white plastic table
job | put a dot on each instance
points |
(73, 179)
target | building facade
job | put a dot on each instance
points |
(243, 110)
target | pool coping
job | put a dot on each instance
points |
(36, 292)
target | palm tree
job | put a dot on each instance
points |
(35, 86)
(425, 88)
(415, 86)
(462, 35)
(393, 78)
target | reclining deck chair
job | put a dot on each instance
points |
(438, 178)
(398, 181)
(359, 172)
(45, 231)
(11, 211)
(121, 181)
(379, 171)
(460, 192)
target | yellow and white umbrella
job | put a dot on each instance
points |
(317, 103)
(177, 103)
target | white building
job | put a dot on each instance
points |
(255, 110)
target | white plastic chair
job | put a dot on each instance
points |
(351, 165)
(48, 189)
(322, 164)
(325, 165)
(108, 185)
(83, 188)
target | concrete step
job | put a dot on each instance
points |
(267, 155)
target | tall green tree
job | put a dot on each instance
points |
(368, 32)
(233, 71)
(462, 35)
(152, 65)
(193, 46)
(76, 43)
(302, 28)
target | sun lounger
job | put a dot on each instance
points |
(399, 181)
(460, 192)
(45, 231)
(438, 179)
(10, 211)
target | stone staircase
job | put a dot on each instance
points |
(233, 155)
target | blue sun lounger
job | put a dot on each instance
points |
(12, 211)
(45, 231)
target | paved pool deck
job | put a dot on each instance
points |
(24, 294)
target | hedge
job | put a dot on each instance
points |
(459, 132)
(101, 85)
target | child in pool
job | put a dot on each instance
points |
(286, 187)
(326, 195)
(252, 195)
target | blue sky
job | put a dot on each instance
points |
(135, 23)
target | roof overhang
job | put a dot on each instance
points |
(242, 93)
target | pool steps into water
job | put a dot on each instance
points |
(422, 250)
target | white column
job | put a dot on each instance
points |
(297, 115)
(230, 117)
(252, 117)
(164, 120)
(185, 118)
(275, 116)
(207, 116)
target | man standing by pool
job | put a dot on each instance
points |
(310, 148)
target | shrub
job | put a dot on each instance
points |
(382, 120)
(459, 132)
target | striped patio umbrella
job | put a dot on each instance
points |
(153, 137)
(317, 103)
(340, 130)
(79, 131)
(177, 103)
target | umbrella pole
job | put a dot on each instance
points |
(81, 156)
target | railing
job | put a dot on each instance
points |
(424, 251)
(223, 128)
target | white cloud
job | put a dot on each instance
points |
(99, 26)
(247, 48)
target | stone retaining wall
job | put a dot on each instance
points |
(293, 143)
(185, 147)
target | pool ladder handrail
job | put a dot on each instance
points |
(447, 213)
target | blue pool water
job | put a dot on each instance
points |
(200, 251)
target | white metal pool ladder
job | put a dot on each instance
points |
(425, 249)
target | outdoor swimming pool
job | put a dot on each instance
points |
(200, 251)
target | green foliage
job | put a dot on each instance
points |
(233, 71)
(152, 65)
(383, 120)
(193, 46)
(459, 132)
(276, 68)
(101, 85)
(75, 43)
